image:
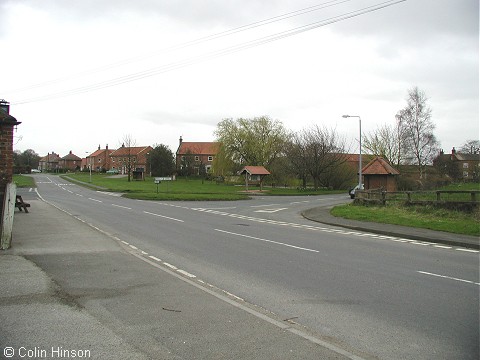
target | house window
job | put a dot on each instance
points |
(183, 158)
(197, 158)
(465, 174)
(210, 158)
(465, 165)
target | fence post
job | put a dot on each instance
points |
(473, 195)
(438, 196)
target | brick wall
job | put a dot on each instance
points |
(6, 155)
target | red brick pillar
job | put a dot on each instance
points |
(7, 124)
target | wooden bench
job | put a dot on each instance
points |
(21, 204)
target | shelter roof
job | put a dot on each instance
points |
(379, 166)
(255, 170)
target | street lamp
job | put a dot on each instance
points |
(360, 187)
(90, 165)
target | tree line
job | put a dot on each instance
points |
(316, 154)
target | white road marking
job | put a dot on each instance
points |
(95, 200)
(123, 207)
(467, 250)
(155, 258)
(110, 193)
(133, 247)
(270, 211)
(186, 273)
(329, 230)
(448, 277)
(170, 266)
(265, 240)
(163, 216)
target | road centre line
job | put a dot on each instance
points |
(95, 200)
(449, 277)
(265, 240)
(123, 207)
(331, 230)
(162, 216)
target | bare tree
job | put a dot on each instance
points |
(316, 151)
(415, 120)
(129, 160)
(470, 147)
(386, 141)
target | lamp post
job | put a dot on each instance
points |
(90, 165)
(360, 187)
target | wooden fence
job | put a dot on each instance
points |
(446, 198)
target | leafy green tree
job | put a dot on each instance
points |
(161, 161)
(28, 159)
(258, 141)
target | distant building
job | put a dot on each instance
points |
(70, 162)
(195, 155)
(459, 165)
(50, 162)
(126, 159)
(99, 160)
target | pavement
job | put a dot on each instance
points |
(69, 290)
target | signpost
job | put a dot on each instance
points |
(158, 180)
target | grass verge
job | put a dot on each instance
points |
(426, 217)
(24, 181)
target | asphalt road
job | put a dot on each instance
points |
(385, 298)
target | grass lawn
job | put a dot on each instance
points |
(24, 181)
(182, 189)
(426, 217)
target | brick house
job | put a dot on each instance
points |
(99, 160)
(459, 165)
(70, 162)
(196, 155)
(130, 158)
(49, 162)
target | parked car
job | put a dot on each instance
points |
(351, 192)
(35, 171)
(113, 171)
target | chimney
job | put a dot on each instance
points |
(180, 140)
(453, 151)
(106, 147)
(98, 146)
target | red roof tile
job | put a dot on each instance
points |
(379, 166)
(198, 148)
(255, 170)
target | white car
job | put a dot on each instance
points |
(35, 171)
(351, 192)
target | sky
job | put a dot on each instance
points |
(83, 74)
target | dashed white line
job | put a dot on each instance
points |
(155, 258)
(121, 206)
(183, 272)
(163, 216)
(170, 266)
(95, 200)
